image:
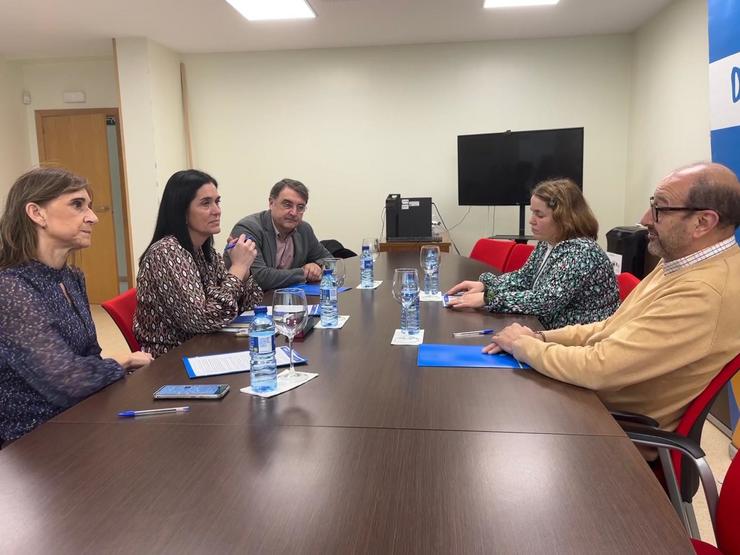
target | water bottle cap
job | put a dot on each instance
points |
(260, 310)
(327, 271)
(366, 247)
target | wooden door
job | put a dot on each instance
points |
(78, 142)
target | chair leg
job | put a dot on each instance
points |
(691, 518)
(672, 486)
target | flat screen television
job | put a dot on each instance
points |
(501, 169)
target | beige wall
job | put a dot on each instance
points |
(152, 127)
(669, 121)
(14, 156)
(357, 124)
(48, 80)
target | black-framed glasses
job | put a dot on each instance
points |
(656, 210)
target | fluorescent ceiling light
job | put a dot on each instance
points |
(517, 3)
(261, 10)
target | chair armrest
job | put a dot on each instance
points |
(633, 417)
(665, 441)
(646, 435)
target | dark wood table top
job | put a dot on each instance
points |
(156, 488)
(376, 455)
(366, 382)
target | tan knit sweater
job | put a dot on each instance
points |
(661, 348)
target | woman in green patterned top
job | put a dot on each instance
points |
(568, 279)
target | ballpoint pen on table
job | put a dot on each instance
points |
(473, 333)
(132, 413)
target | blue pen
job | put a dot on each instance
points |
(231, 245)
(474, 333)
(132, 413)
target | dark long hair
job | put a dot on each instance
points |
(179, 192)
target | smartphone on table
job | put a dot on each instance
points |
(202, 391)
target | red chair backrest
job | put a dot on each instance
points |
(692, 422)
(518, 256)
(627, 282)
(121, 309)
(728, 510)
(493, 252)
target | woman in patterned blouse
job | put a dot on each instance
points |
(568, 279)
(183, 287)
(49, 353)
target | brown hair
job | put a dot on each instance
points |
(570, 211)
(18, 234)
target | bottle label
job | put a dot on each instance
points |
(262, 345)
(367, 264)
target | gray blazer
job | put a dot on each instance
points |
(306, 248)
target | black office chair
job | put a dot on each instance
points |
(336, 249)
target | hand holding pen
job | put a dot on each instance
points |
(242, 252)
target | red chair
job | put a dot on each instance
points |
(518, 256)
(493, 252)
(121, 309)
(724, 508)
(682, 481)
(627, 282)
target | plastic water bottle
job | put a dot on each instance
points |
(366, 267)
(328, 302)
(431, 273)
(262, 351)
(412, 316)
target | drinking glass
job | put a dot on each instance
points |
(289, 312)
(374, 245)
(405, 290)
(429, 261)
(336, 265)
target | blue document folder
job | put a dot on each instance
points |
(313, 289)
(464, 356)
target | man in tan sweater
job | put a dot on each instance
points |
(678, 328)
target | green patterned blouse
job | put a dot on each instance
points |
(576, 285)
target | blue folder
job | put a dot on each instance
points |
(314, 290)
(464, 356)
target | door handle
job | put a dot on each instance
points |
(101, 208)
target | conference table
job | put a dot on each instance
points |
(375, 455)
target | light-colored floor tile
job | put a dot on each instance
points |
(109, 336)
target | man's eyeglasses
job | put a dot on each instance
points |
(287, 205)
(656, 210)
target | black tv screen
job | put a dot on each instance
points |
(501, 169)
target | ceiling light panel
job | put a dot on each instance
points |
(263, 10)
(517, 3)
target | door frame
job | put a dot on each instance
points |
(114, 112)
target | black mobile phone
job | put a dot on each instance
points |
(204, 391)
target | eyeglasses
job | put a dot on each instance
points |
(656, 210)
(287, 205)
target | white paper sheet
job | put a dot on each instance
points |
(231, 363)
(375, 285)
(284, 383)
(399, 338)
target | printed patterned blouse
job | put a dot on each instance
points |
(180, 295)
(574, 284)
(49, 353)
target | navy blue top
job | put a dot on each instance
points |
(49, 353)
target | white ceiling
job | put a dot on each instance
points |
(60, 28)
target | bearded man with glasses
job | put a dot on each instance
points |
(288, 251)
(679, 327)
